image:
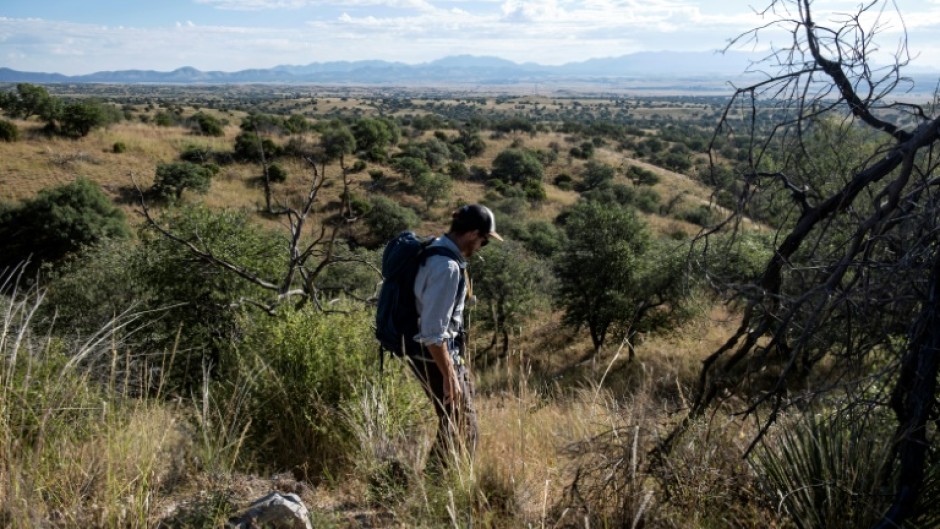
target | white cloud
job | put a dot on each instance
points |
(411, 31)
(259, 5)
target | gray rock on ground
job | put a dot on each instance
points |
(274, 511)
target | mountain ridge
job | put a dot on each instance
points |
(457, 68)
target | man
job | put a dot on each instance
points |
(441, 289)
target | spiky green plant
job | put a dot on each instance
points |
(828, 471)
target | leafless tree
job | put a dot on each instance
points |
(849, 303)
(311, 249)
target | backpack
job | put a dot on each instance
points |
(396, 316)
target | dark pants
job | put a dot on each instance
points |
(457, 425)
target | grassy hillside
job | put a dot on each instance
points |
(162, 418)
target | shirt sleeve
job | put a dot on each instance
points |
(436, 291)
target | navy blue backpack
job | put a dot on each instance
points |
(396, 316)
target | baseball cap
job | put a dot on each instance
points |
(477, 217)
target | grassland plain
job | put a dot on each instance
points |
(147, 462)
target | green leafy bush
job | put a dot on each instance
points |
(8, 131)
(58, 221)
(517, 166)
(173, 178)
(165, 119)
(249, 147)
(195, 305)
(702, 215)
(595, 175)
(196, 154)
(305, 366)
(207, 125)
(119, 147)
(386, 219)
(641, 176)
(277, 173)
(564, 181)
(78, 119)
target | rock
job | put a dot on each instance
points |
(274, 511)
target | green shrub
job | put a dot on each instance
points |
(517, 166)
(458, 171)
(377, 176)
(738, 259)
(198, 299)
(357, 167)
(57, 222)
(78, 119)
(8, 131)
(119, 147)
(173, 178)
(89, 290)
(305, 366)
(196, 153)
(647, 200)
(207, 125)
(564, 181)
(596, 174)
(277, 173)
(193, 306)
(249, 147)
(641, 176)
(702, 215)
(432, 188)
(543, 238)
(386, 219)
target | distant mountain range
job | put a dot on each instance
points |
(654, 71)
(464, 69)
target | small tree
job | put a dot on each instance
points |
(173, 178)
(78, 119)
(30, 100)
(410, 166)
(597, 267)
(614, 277)
(432, 187)
(337, 141)
(517, 166)
(373, 135)
(277, 173)
(596, 174)
(511, 283)
(250, 147)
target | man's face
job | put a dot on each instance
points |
(474, 241)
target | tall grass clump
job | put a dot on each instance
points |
(389, 416)
(75, 450)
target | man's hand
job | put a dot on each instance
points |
(452, 391)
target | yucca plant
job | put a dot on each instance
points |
(828, 470)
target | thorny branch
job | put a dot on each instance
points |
(301, 252)
(831, 288)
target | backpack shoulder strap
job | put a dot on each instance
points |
(438, 250)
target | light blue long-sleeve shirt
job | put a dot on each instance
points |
(440, 308)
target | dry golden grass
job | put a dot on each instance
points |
(41, 161)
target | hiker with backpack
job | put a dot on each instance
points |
(431, 329)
